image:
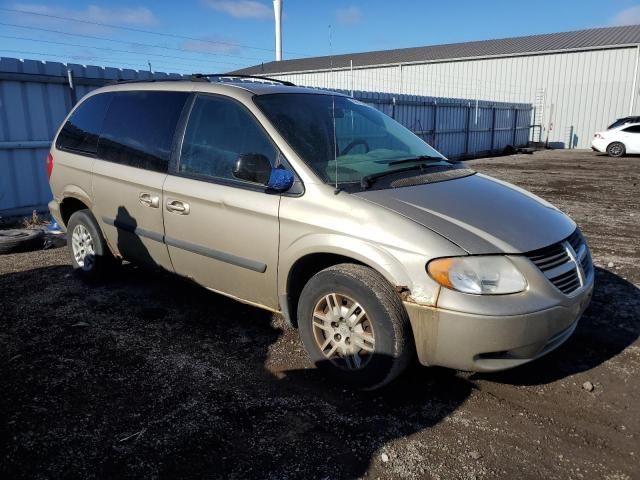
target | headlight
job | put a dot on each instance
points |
(490, 275)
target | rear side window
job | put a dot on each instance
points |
(80, 133)
(139, 128)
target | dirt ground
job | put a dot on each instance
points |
(149, 376)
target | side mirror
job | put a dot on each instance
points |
(255, 167)
(252, 167)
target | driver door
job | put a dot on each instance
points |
(221, 231)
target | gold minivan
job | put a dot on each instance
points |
(316, 206)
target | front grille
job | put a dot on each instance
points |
(566, 264)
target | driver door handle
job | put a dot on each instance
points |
(149, 200)
(178, 207)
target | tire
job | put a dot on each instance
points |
(383, 319)
(20, 240)
(616, 149)
(85, 238)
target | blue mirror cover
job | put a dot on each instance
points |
(280, 179)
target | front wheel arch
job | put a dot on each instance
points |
(301, 272)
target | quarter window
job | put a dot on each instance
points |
(139, 128)
(80, 133)
(219, 131)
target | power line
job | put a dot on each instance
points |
(139, 30)
(127, 42)
(119, 51)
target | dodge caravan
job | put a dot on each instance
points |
(316, 206)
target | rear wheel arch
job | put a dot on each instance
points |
(70, 205)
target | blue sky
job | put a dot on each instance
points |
(225, 35)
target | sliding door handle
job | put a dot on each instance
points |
(149, 200)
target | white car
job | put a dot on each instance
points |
(619, 140)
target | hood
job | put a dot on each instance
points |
(480, 214)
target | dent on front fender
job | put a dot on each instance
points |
(423, 296)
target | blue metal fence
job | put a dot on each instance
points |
(36, 96)
(34, 99)
(456, 127)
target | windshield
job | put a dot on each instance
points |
(622, 121)
(362, 142)
(617, 123)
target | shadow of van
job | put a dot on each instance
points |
(129, 243)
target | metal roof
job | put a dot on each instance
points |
(610, 37)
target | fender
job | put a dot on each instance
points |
(365, 252)
(74, 191)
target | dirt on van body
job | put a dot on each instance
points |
(150, 376)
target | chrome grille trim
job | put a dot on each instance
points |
(566, 264)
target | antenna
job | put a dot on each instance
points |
(333, 114)
(277, 10)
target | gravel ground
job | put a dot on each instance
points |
(149, 376)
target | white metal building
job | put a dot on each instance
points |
(578, 82)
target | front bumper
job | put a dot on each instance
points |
(485, 343)
(599, 145)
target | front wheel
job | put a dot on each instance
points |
(90, 256)
(615, 149)
(354, 326)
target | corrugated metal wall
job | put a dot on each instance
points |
(575, 94)
(34, 99)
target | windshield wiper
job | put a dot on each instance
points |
(427, 161)
(421, 158)
(368, 180)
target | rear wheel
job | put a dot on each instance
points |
(354, 326)
(90, 256)
(615, 149)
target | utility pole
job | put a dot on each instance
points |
(277, 10)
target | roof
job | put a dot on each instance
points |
(190, 85)
(610, 37)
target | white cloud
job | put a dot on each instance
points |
(241, 8)
(138, 16)
(211, 45)
(349, 15)
(628, 16)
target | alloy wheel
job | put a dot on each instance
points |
(82, 246)
(343, 331)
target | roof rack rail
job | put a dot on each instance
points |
(204, 77)
(169, 79)
(197, 76)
